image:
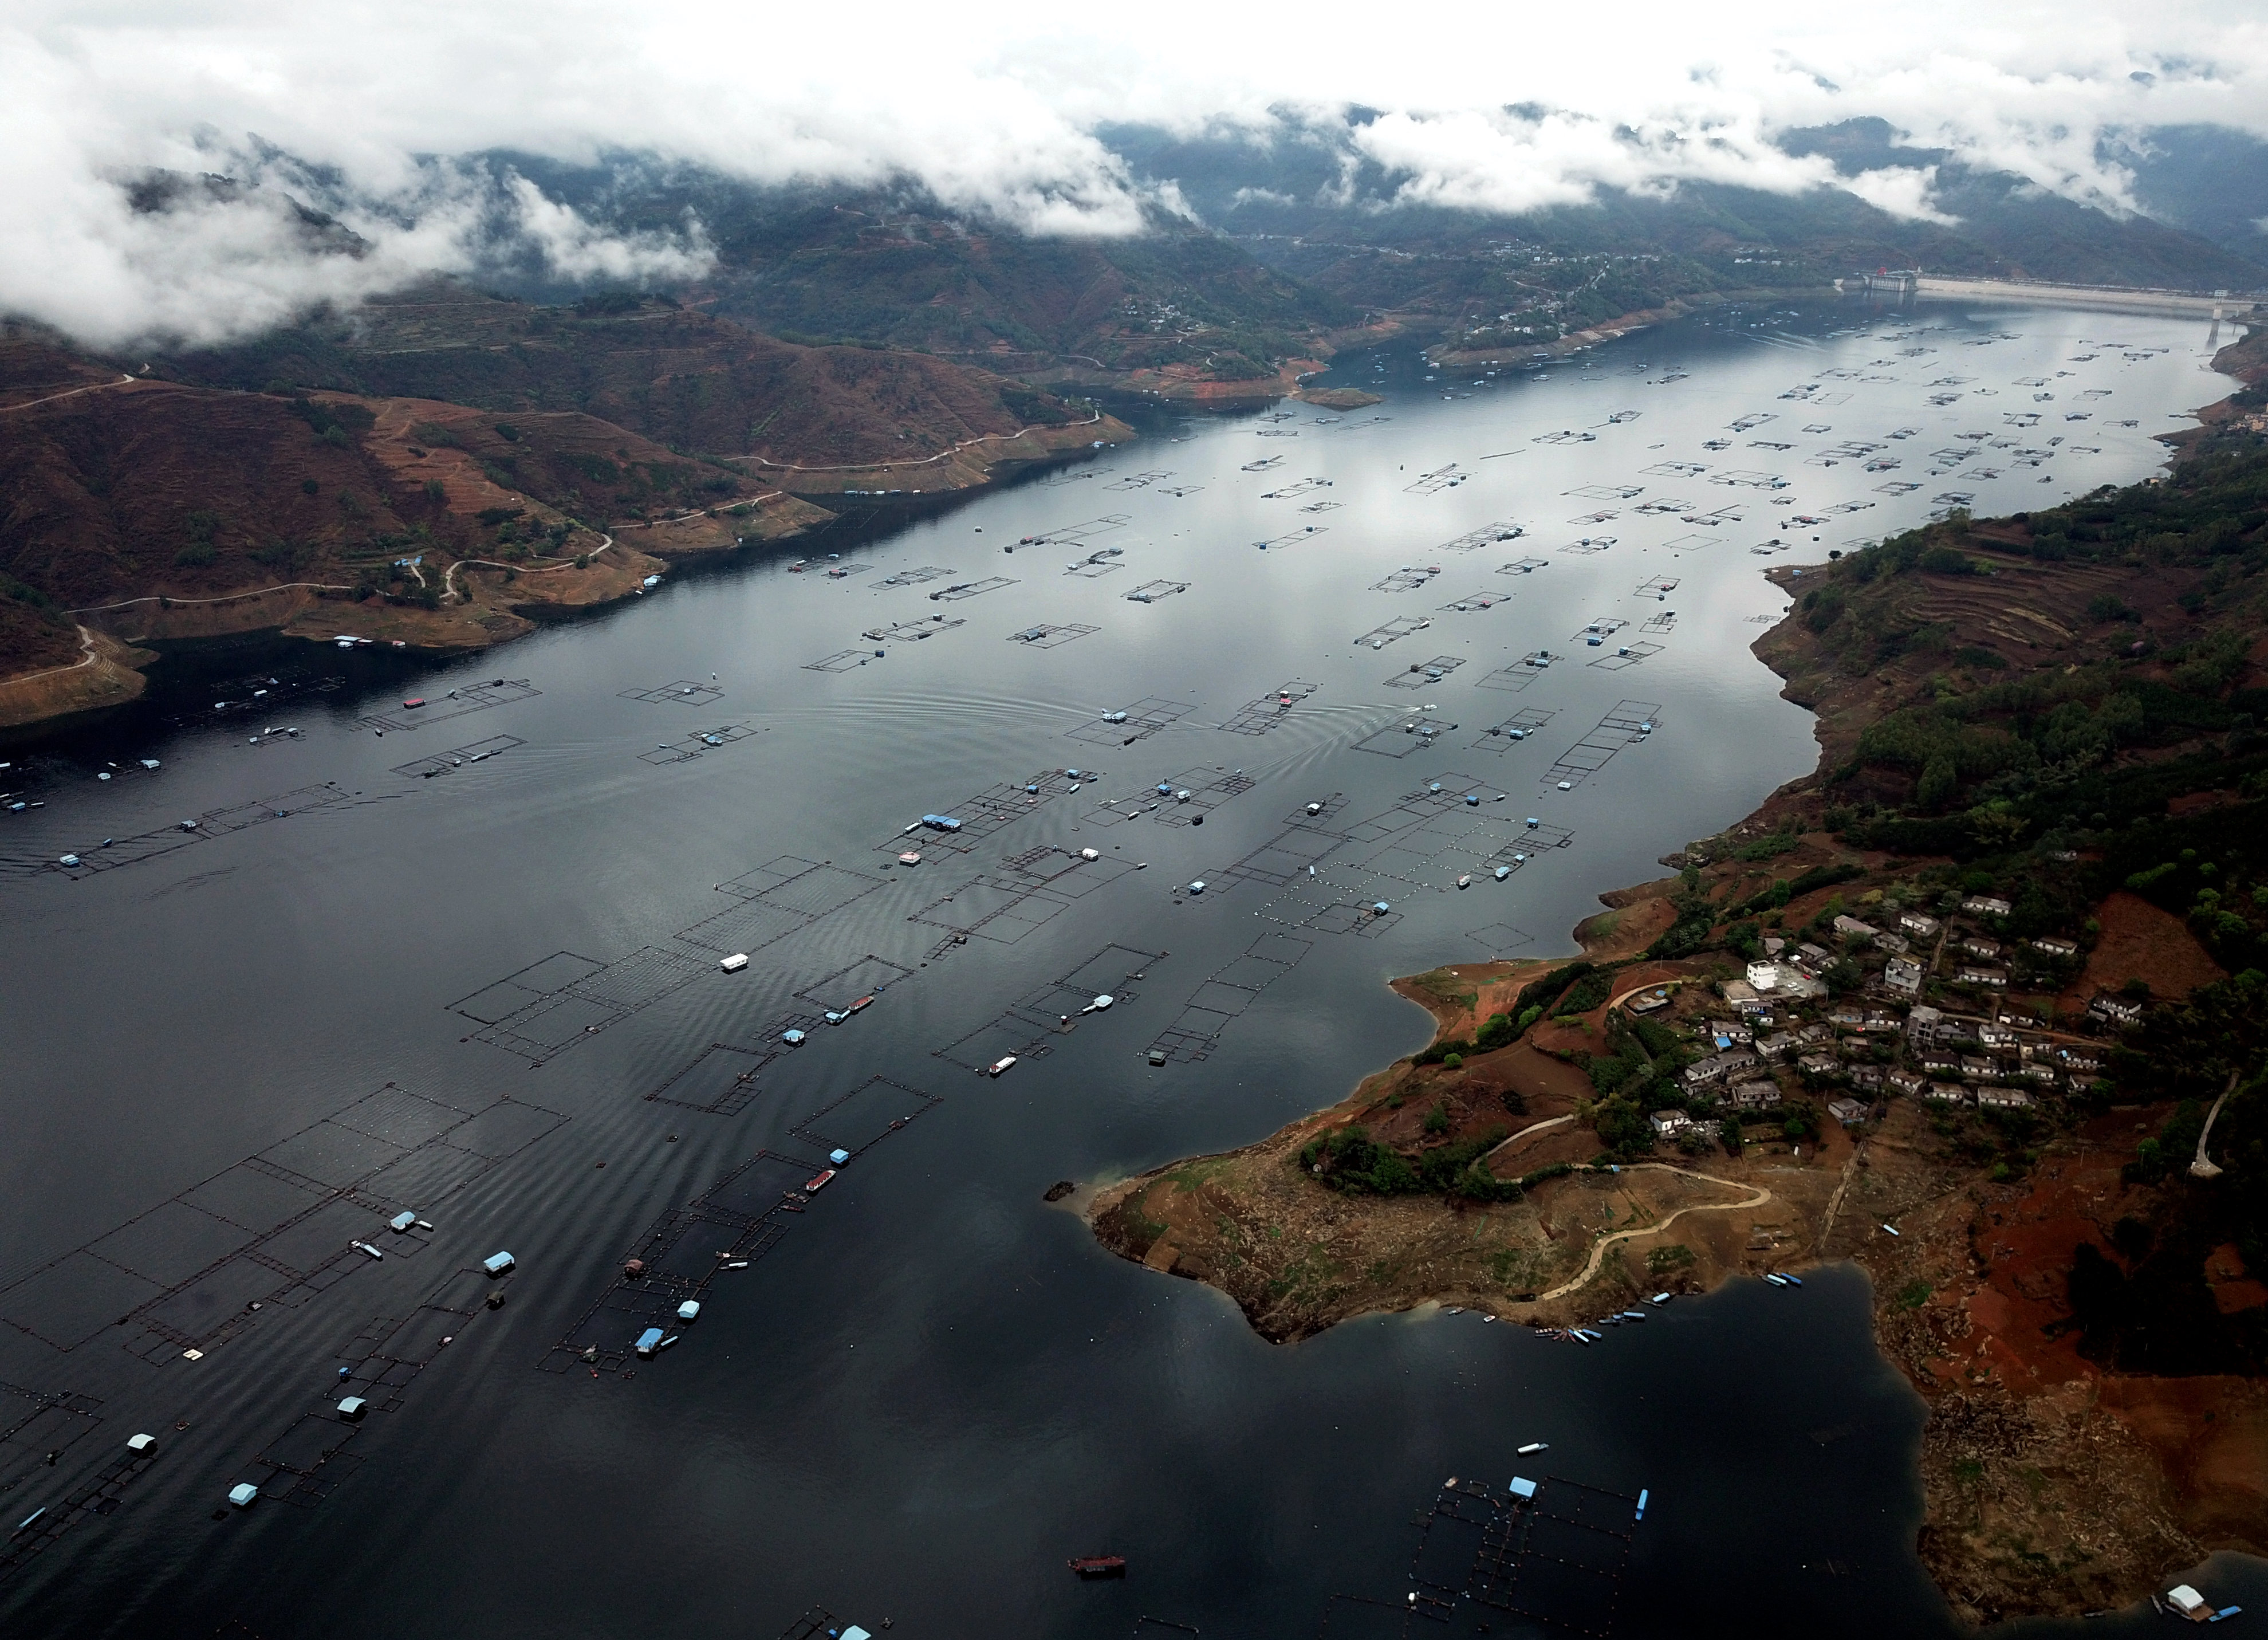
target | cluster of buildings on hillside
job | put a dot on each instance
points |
(1965, 1047)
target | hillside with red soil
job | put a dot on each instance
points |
(684, 379)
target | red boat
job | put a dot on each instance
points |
(812, 1185)
(414, 702)
(863, 1002)
(1100, 1565)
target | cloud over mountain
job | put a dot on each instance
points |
(361, 111)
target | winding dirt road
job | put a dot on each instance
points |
(1599, 1248)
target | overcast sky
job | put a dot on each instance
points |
(383, 92)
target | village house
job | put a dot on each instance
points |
(1870, 1078)
(1784, 979)
(1756, 1096)
(2077, 1059)
(1895, 943)
(1669, 1124)
(1991, 978)
(1997, 1036)
(1921, 1024)
(1715, 1068)
(1850, 1112)
(1726, 1034)
(2053, 945)
(1852, 928)
(1984, 905)
(2116, 1010)
(1913, 1084)
(1820, 1065)
(1741, 995)
(1903, 973)
(1920, 926)
(2002, 1099)
(1646, 1001)
(1977, 945)
(1948, 1093)
(1780, 1045)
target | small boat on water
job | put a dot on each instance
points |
(812, 1187)
(1502, 872)
(1642, 1495)
(860, 1006)
(733, 963)
(1099, 1565)
(1535, 1446)
(1793, 1281)
(1465, 882)
(1775, 1278)
(909, 858)
(1001, 1066)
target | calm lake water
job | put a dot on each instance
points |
(491, 998)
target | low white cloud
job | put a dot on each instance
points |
(1904, 191)
(1486, 107)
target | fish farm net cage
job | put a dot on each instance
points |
(1419, 674)
(277, 1228)
(1402, 737)
(989, 908)
(775, 900)
(1400, 627)
(457, 756)
(1440, 479)
(868, 976)
(683, 691)
(256, 691)
(700, 742)
(1051, 637)
(1516, 729)
(459, 702)
(912, 577)
(841, 661)
(1626, 655)
(1257, 717)
(1079, 533)
(970, 589)
(1196, 1032)
(113, 852)
(1474, 601)
(730, 1225)
(911, 631)
(1207, 790)
(1134, 721)
(1292, 538)
(1486, 535)
(1022, 1029)
(1626, 724)
(1405, 579)
(977, 819)
(864, 1117)
(550, 1006)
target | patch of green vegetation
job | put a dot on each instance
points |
(1914, 1294)
(1349, 1160)
(1668, 1260)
